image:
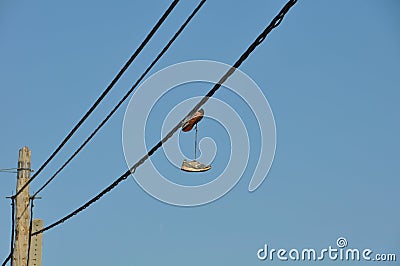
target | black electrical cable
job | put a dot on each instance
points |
(13, 170)
(7, 259)
(274, 23)
(123, 98)
(14, 225)
(105, 92)
(9, 170)
(12, 233)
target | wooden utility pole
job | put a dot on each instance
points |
(22, 209)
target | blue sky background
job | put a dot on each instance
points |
(330, 73)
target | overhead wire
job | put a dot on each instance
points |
(123, 99)
(105, 92)
(14, 224)
(8, 170)
(10, 255)
(7, 259)
(274, 23)
(81, 121)
(125, 175)
(13, 170)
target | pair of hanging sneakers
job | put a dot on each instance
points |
(188, 124)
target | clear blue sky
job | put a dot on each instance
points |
(330, 72)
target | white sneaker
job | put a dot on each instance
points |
(194, 166)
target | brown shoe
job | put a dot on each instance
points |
(189, 123)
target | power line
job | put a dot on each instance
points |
(274, 23)
(123, 98)
(13, 170)
(12, 233)
(87, 204)
(7, 259)
(15, 224)
(126, 174)
(9, 170)
(105, 92)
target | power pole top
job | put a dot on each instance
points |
(22, 209)
(24, 163)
